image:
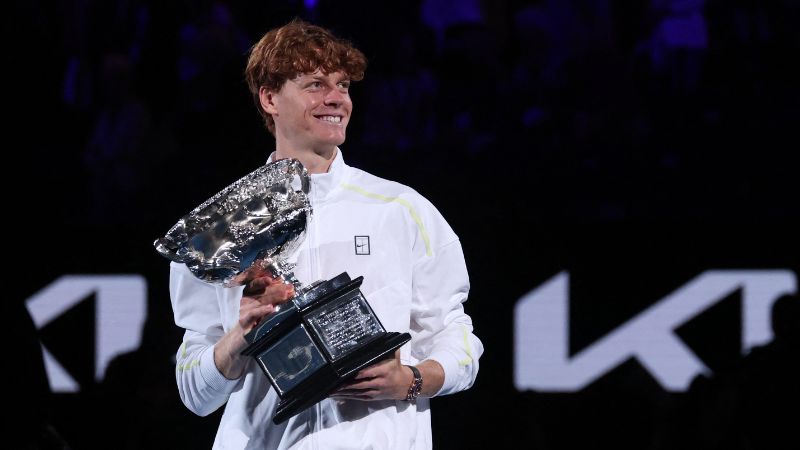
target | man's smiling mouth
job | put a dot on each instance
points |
(330, 119)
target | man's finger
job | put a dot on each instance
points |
(361, 398)
(258, 284)
(355, 394)
(362, 385)
(251, 273)
(373, 371)
(275, 294)
(255, 287)
(254, 315)
(258, 312)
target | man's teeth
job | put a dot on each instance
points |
(333, 119)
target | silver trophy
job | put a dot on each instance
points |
(323, 336)
(247, 226)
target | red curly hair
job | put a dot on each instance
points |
(298, 48)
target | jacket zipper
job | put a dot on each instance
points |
(314, 276)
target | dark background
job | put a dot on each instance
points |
(633, 144)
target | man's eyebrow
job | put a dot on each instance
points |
(323, 78)
(319, 77)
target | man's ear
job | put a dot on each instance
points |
(267, 100)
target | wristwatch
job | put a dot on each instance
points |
(416, 385)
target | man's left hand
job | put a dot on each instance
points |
(386, 380)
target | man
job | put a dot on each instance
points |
(414, 275)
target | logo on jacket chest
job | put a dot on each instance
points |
(361, 245)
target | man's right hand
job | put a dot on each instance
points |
(259, 298)
(261, 294)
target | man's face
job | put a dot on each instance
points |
(311, 111)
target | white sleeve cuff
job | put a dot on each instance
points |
(452, 369)
(211, 375)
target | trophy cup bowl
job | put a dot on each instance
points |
(327, 332)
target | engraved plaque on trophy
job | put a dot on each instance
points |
(323, 336)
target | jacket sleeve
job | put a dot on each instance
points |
(440, 328)
(195, 306)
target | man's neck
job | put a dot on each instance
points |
(315, 161)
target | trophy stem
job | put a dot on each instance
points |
(281, 270)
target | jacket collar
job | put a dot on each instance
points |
(324, 184)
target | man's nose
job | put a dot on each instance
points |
(334, 97)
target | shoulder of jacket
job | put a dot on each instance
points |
(365, 183)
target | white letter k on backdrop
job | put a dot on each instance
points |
(541, 331)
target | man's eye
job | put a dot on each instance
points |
(316, 84)
(344, 85)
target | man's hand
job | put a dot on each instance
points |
(259, 298)
(261, 294)
(389, 379)
(386, 380)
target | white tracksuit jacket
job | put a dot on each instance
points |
(414, 278)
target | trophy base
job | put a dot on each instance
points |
(330, 377)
